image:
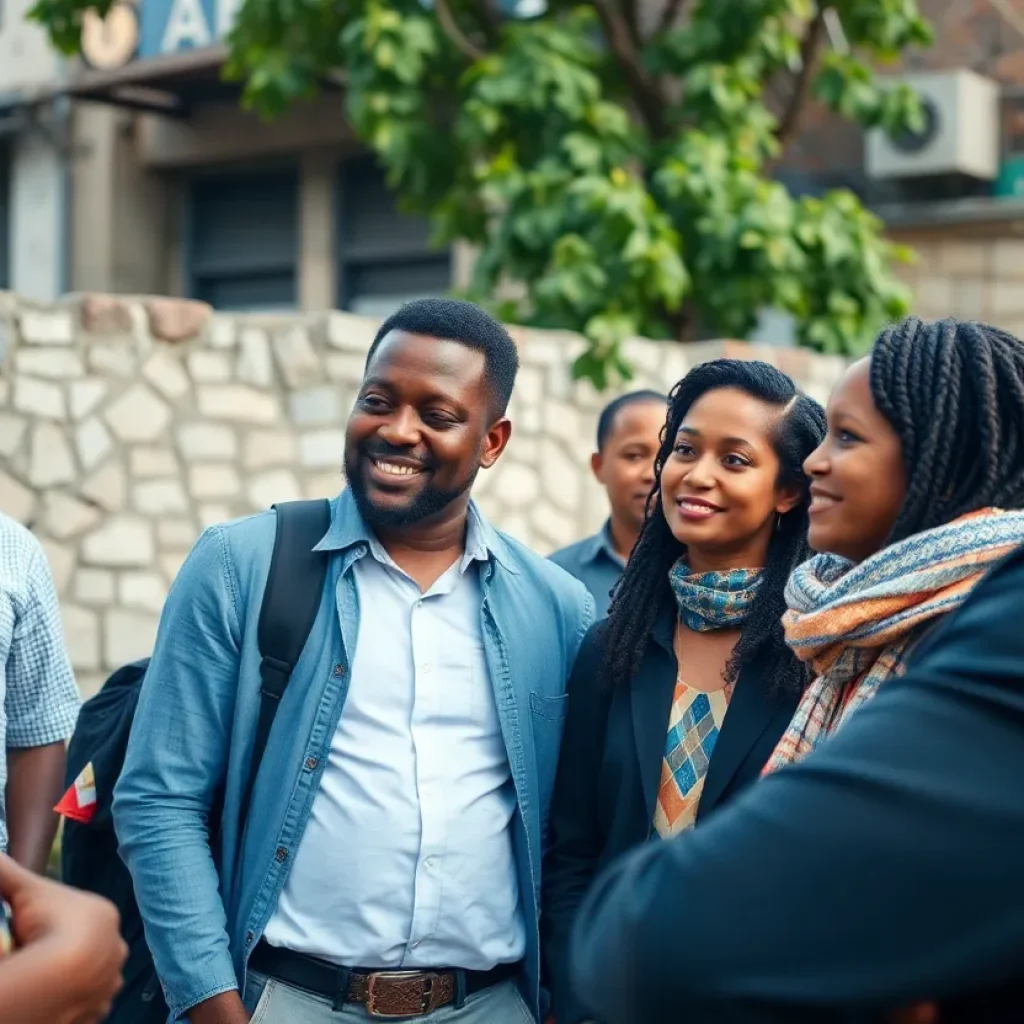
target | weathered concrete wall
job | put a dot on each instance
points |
(126, 426)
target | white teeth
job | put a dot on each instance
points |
(699, 509)
(395, 470)
(820, 501)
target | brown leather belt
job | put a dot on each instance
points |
(385, 995)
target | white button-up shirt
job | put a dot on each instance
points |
(407, 859)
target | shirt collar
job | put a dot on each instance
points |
(348, 532)
(601, 544)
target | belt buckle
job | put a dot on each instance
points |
(371, 981)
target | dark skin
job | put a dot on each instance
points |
(35, 782)
(426, 404)
(720, 497)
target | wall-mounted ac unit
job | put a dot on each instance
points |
(961, 133)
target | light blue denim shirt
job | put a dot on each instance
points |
(205, 910)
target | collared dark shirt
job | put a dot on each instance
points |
(595, 563)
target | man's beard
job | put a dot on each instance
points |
(429, 502)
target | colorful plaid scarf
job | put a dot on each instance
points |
(713, 600)
(855, 625)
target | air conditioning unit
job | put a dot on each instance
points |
(960, 136)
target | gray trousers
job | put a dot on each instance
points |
(273, 1002)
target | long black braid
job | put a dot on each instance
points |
(954, 393)
(644, 592)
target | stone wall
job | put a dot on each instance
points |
(970, 273)
(128, 425)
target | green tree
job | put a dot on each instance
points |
(612, 161)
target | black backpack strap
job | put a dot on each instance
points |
(291, 601)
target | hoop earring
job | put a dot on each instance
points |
(778, 522)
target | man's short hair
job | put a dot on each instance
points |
(469, 325)
(606, 423)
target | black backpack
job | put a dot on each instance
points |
(89, 857)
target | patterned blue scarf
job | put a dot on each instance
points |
(713, 600)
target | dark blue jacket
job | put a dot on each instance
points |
(887, 868)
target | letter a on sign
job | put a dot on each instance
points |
(187, 28)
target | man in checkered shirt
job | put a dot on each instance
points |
(39, 703)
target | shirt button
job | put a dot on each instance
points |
(430, 863)
(311, 763)
(281, 855)
(339, 670)
(248, 938)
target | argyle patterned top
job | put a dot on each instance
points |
(693, 726)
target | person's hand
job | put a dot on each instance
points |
(66, 966)
(227, 1008)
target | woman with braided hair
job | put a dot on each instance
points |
(916, 491)
(694, 631)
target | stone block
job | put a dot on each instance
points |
(553, 525)
(297, 360)
(16, 500)
(61, 559)
(351, 333)
(237, 403)
(345, 367)
(39, 398)
(57, 364)
(5, 386)
(561, 476)
(114, 359)
(326, 484)
(93, 586)
(12, 433)
(213, 481)
(105, 314)
(123, 541)
(176, 534)
(65, 517)
(319, 449)
(223, 333)
(964, 257)
(265, 448)
(255, 364)
(1007, 257)
(81, 636)
(562, 421)
(128, 635)
(275, 485)
(107, 487)
(167, 375)
(146, 590)
(209, 367)
(199, 441)
(934, 297)
(970, 299)
(529, 387)
(50, 459)
(312, 406)
(214, 513)
(54, 327)
(159, 497)
(86, 395)
(140, 414)
(515, 486)
(176, 320)
(1007, 299)
(152, 462)
(171, 565)
(93, 441)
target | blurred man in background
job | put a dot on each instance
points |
(628, 436)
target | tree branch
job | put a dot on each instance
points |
(808, 54)
(490, 17)
(455, 34)
(670, 15)
(646, 93)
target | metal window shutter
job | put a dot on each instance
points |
(245, 240)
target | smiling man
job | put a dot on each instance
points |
(391, 862)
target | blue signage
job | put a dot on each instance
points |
(175, 26)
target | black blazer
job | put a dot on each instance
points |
(609, 771)
(884, 869)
